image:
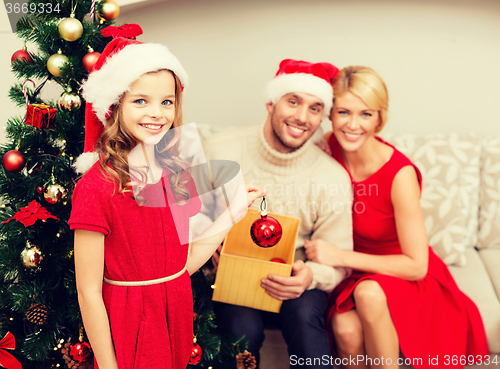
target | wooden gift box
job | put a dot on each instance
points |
(243, 264)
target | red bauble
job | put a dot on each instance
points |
(278, 260)
(14, 161)
(90, 59)
(196, 354)
(80, 351)
(266, 231)
(21, 55)
(39, 190)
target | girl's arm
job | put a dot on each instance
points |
(412, 263)
(89, 268)
(203, 247)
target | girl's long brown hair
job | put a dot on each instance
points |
(116, 143)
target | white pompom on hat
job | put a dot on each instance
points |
(122, 62)
(302, 76)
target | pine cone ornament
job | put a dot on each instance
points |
(245, 360)
(37, 314)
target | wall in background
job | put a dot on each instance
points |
(440, 59)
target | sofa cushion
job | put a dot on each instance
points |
(474, 280)
(491, 260)
(450, 193)
(489, 210)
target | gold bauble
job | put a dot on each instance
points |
(31, 255)
(110, 10)
(70, 28)
(69, 101)
(55, 63)
(54, 193)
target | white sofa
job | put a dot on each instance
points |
(461, 204)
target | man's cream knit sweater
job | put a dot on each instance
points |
(306, 183)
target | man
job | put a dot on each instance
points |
(301, 181)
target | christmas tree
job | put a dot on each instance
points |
(38, 301)
(211, 351)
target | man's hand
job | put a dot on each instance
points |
(286, 288)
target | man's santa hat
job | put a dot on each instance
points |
(301, 76)
(122, 62)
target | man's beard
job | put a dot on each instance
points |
(281, 134)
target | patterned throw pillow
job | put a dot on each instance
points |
(489, 210)
(450, 194)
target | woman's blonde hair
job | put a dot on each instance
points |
(116, 142)
(366, 84)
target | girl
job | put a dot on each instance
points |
(141, 315)
(400, 294)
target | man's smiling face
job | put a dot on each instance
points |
(294, 119)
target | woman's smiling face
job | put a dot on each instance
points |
(353, 122)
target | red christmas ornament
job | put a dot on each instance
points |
(265, 231)
(80, 351)
(40, 115)
(39, 189)
(14, 161)
(277, 260)
(90, 59)
(21, 56)
(196, 354)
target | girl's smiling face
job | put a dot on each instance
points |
(353, 121)
(148, 108)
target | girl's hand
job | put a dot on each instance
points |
(243, 199)
(322, 252)
(253, 193)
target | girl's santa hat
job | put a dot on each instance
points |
(122, 62)
(301, 76)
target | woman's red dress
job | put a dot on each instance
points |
(433, 318)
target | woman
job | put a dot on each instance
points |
(400, 294)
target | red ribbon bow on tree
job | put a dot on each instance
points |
(127, 30)
(7, 360)
(30, 214)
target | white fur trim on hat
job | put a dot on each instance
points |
(85, 161)
(301, 82)
(104, 87)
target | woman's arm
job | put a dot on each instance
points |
(412, 263)
(89, 268)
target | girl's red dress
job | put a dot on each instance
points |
(151, 326)
(433, 318)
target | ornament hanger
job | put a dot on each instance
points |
(263, 206)
(265, 231)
